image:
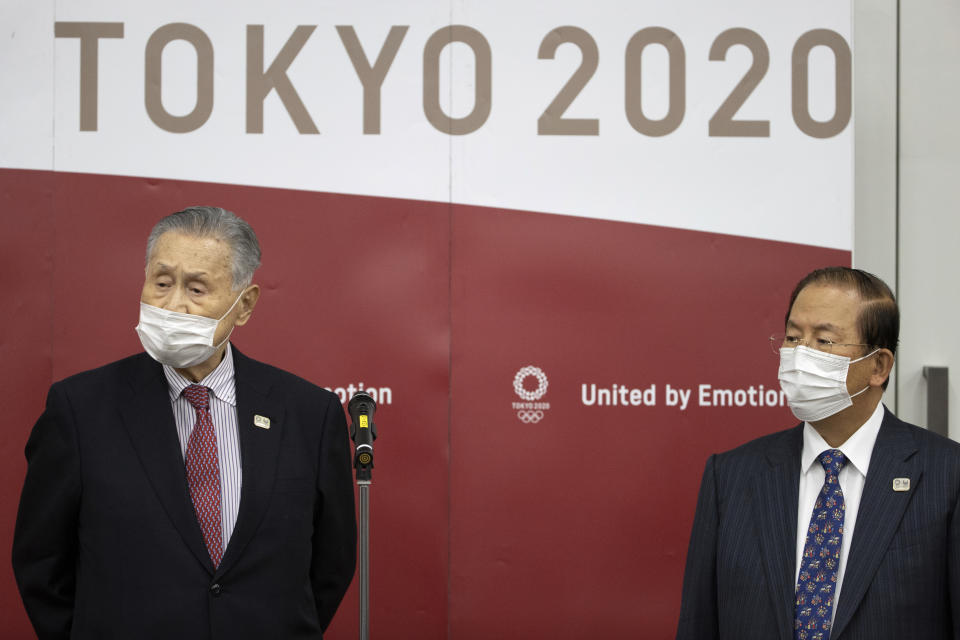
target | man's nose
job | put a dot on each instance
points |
(177, 301)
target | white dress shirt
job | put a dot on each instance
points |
(223, 412)
(857, 449)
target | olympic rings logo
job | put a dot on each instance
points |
(537, 393)
(528, 417)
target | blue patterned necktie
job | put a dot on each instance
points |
(817, 584)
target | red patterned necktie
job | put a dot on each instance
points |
(203, 472)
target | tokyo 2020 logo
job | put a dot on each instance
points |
(532, 410)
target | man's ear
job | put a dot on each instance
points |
(248, 300)
(882, 366)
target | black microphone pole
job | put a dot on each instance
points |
(363, 431)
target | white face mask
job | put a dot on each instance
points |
(177, 339)
(816, 382)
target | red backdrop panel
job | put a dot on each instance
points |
(355, 290)
(25, 325)
(576, 526)
(482, 526)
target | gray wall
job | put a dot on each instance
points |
(907, 182)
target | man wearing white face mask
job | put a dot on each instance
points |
(188, 492)
(846, 526)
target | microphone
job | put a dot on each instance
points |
(363, 432)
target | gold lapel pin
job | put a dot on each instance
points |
(264, 423)
(901, 484)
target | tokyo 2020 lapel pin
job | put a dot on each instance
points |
(901, 484)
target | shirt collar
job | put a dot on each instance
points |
(857, 449)
(219, 381)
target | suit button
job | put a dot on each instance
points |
(215, 589)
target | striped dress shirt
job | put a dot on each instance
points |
(223, 411)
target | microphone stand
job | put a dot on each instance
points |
(363, 482)
(363, 432)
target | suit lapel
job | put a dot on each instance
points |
(881, 509)
(259, 451)
(775, 507)
(148, 419)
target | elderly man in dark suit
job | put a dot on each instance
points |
(845, 527)
(188, 492)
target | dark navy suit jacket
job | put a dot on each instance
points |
(902, 578)
(107, 544)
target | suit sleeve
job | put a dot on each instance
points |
(953, 568)
(45, 536)
(335, 525)
(698, 608)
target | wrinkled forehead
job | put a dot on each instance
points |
(175, 250)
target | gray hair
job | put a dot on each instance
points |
(215, 222)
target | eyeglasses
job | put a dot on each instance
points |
(779, 341)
